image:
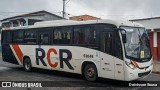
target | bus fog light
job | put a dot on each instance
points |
(132, 74)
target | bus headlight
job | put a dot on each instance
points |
(131, 65)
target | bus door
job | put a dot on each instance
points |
(106, 57)
(118, 57)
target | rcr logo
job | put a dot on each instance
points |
(49, 52)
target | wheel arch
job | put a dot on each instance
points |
(88, 62)
(24, 57)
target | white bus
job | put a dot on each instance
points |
(97, 48)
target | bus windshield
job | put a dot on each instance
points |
(137, 43)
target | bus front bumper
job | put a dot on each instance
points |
(138, 73)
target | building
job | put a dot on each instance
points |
(152, 26)
(83, 18)
(29, 19)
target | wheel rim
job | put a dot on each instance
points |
(27, 65)
(91, 72)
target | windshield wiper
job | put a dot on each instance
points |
(140, 37)
(140, 43)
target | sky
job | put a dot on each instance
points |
(105, 9)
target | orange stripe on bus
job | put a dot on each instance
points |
(136, 64)
(18, 52)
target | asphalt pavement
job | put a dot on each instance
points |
(11, 72)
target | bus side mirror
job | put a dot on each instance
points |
(124, 36)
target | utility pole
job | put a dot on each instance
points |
(63, 8)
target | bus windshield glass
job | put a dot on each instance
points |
(137, 43)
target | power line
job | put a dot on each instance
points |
(20, 12)
(2, 13)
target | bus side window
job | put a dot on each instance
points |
(118, 49)
(7, 37)
(108, 43)
(44, 39)
(84, 35)
(18, 36)
(89, 35)
(62, 35)
(76, 34)
(30, 37)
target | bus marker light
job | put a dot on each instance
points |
(136, 64)
(130, 64)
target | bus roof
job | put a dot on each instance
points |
(55, 23)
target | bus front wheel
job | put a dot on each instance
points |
(27, 64)
(90, 72)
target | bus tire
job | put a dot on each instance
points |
(90, 72)
(27, 64)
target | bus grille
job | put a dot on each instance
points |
(144, 67)
(143, 74)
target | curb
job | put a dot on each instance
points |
(155, 72)
(156, 67)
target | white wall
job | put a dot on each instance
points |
(150, 23)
